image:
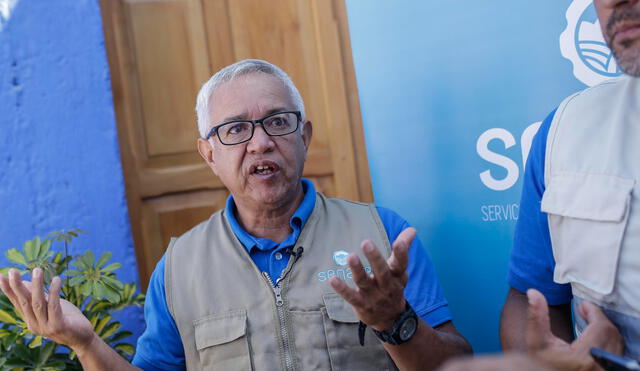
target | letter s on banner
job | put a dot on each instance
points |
(482, 146)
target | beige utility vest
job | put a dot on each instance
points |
(230, 316)
(592, 168)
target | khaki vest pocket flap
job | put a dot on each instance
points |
(596, 197)
(220, 328)
(338, 309)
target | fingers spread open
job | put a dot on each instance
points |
(406, 237)
(54, 308)
(379, 265)
(38, 301)
(538, 325)
(5, 287)
(350, 295)
(23, 298)
(360, 276)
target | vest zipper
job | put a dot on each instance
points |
(277, 291)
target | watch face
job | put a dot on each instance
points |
(408, 328)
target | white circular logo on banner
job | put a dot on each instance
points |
(583, 44)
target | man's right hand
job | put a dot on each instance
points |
(47, 314)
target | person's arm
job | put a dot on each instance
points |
(379, 300)
(513, 321)
(429, 347)
(532, 264)
(52, 317)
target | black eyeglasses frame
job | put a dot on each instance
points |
(214, 130)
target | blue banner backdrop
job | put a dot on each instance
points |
(451, 94)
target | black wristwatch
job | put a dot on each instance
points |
(403, 329)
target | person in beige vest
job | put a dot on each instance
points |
(578, 233)
(280, 278)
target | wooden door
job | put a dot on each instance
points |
(161, 51)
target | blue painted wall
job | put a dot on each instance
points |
(433, 76)
(59, 156)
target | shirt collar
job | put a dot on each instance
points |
(297, 221)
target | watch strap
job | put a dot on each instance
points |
(393, 337)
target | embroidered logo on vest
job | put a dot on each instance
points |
(340, 257)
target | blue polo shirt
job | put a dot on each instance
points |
(160, 347)
(531, 264)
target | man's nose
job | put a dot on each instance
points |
(261, 142)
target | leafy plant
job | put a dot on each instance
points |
(91, 285)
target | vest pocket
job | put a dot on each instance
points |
(341, 330)
(221, 341)
(587, 216)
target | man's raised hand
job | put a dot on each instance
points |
(378, 298)
(47, 314)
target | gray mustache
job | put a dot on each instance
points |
(627, 14)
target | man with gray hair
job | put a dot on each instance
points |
(578, 232)
(283, 277)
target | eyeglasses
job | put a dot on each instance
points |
(240, 131)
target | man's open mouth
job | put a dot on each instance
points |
(264, 168)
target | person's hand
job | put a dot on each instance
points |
(507, 362)
(557, 353)
(47, 314)
(378, 298)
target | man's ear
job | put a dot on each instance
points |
(205, 148)
(307, 133)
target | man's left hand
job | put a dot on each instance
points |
(378, 298)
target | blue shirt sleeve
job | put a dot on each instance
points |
(531, 264)
(160, 347)
(423, 290)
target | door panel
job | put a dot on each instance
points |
(161, 51)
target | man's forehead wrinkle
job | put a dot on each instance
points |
(261, 113)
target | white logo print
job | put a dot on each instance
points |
(583, 44)
(340, 257)
(6, 7)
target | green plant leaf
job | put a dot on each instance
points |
(36, 342)
(45, 352)
(101, 323)
(104, 258)
(23, 353)
(7, 318)
(119, 336)
(76, 281)
(73, 272)
(100, 306)
(55, 365)
(86, 288)
(16, 257)
(28, 249)
(110, 329)
(100, 290)
(79, 262)
(16, 363)
(111, 267)
(88, 258)
(125, 348)
(114, 283)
